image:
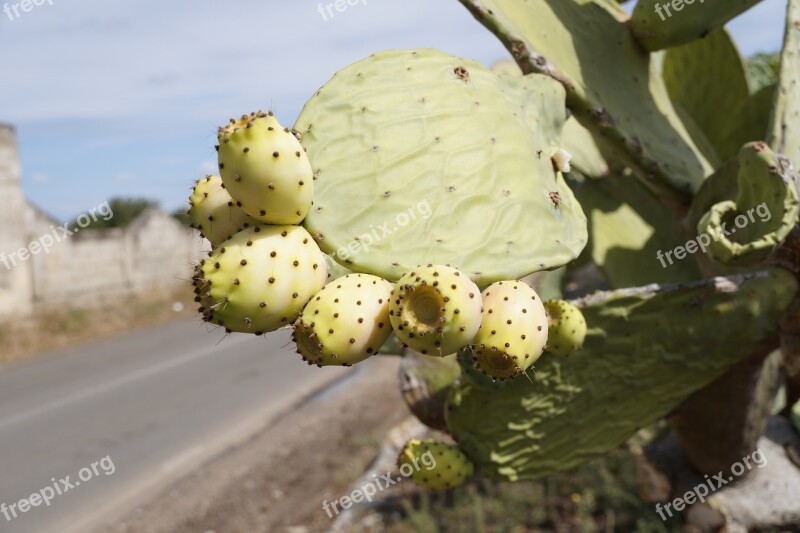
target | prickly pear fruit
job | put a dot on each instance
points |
(434, 465)
(513, 331)
(436, 310)
(345, 322)
(567, 329)
(265, 168)
(214, 213)
(260, 279)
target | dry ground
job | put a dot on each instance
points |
(51, 330)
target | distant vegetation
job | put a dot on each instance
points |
(125, 210)
(181, 216)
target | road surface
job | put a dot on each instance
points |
(127, 416)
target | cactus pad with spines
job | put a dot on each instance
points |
(644, 353)
(439, 160)
(613, 87)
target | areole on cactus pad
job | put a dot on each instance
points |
(439, 160)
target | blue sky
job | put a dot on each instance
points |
(123, 97)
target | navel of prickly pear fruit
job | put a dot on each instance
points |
(513, 331)
(474, 377)
(567, 329)
(260, 279)
(214, 213)
(436, 310)
(265, 168)
(434, 465)
(345, 322)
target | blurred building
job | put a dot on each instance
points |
(90, 268)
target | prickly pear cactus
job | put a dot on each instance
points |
(439, 161)
(686, 165)
(645, 351)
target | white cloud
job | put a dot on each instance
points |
(40, 178)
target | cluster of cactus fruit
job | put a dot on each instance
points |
(266, 273)
(313, 227)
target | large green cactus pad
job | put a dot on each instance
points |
(658, 25)
(710, 70)
(612, 85)
(646, 350)
(422, 157)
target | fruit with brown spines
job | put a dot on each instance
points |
(265, 168)
(214, 213)
(513, 331)
(567, 327)
(260, 279)
(436, 310)
(346, 322)
(475, 377)
(434, 465)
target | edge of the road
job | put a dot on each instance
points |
(162, 476)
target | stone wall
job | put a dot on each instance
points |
(91, 267)
(15, 283)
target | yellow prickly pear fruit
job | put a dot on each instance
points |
(567, 327)
(265, 168)
(434, 465)
(513, 331)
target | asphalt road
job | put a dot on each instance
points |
(154, 404)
